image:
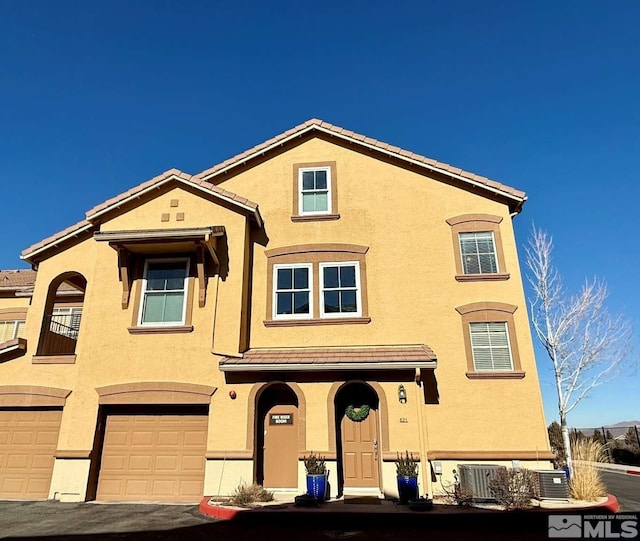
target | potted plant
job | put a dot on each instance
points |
(407, 476)
(316, 476)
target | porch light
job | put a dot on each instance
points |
(402, 394)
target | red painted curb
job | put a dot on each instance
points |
(633, 472)
(217, 511)
(611, 504)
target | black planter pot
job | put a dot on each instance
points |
(407, 488)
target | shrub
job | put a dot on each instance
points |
(586, 482)
(315, 464)
(406, 466)
(513, 489)
(459, 495)
(245, 494)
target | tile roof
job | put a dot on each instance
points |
(17, 279)
(92, 214)
(171, 174)
(320, 125)
(318, 357)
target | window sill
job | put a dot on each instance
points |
(496, 375)
(311, 322)
(161, 330)
(482, 277)
(53, 359)
(315, 218)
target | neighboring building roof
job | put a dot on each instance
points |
(332, 358)
(17, 279)
(319, 125)
(135, 192)
(18, 283)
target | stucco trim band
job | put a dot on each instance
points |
(72, 454)
(155, 393)
(32, 395)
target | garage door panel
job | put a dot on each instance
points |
(192, 463)
(195, 438)
(156, 464)
(28, 441)
(169, 437)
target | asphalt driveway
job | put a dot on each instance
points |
(38, 519)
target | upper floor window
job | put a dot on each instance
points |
(66, 320)
(317, 284)
(11, 329)
(477, 247)
(164, 290)
(478, 253)
(490, 342)
(292, 291)
(490, 346)
(340, 285)
(315, 192)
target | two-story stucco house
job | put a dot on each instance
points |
(199, 331)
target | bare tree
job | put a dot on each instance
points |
(587, 346)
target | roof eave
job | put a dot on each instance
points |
(301, 367)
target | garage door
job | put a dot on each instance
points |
(153, 457)
(28, 440)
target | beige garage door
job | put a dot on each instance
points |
(28, 440)
(149, 457)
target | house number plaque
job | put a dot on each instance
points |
(280, 419)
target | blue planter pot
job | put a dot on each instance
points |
(317, 486)
(407, 489)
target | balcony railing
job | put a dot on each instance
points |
(58, 338)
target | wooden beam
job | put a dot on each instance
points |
(124, 267)
(202, 276)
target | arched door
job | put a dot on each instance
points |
(277, 438)
(358, 440)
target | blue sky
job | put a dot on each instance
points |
(100, 96)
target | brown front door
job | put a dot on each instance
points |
(281, 447)
(360, 455)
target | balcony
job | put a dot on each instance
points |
(59, 338)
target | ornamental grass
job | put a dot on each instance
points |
(586, 481)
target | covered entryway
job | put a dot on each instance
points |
(277, 437)
(357, 437)
(28, 441)
(153, 453)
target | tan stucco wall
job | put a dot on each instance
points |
(412, 295)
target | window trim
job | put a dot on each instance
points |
(478, 223)
(332, 195)
(143, 290)
(279, 317)
(321, 290)
(315, 254)
(490, 312)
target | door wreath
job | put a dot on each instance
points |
(357, 415)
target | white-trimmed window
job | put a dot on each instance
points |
(314, 187)
(164, 292)
(66, 321)
(478, 253)
(11, 329)
(292, 291)
(490, 347)
(340, 289)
